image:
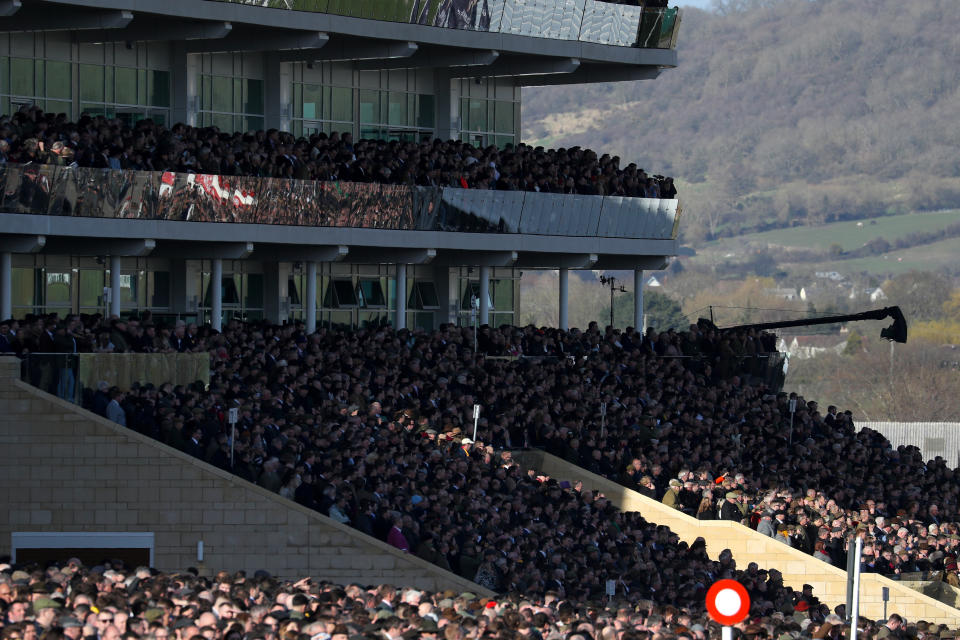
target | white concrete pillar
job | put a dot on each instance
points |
(638, 300)
(564, 298)
(447, 101)
(115, 266)
(311, 301)
(216, 294)
(484, 295)
(6, 285)
(401, 321)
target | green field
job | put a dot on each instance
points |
(928, 257)
(846, 234)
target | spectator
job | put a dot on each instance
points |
(114, 411)
(94, 141)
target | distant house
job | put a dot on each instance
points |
(871, 294)
(806, 347)
(787, 293)
(652, 282)
(829, 275)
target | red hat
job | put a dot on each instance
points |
(491, 604)
(803, 605)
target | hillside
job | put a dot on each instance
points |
(785, 112)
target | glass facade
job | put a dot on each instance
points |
(242, 292)
(321, 108)
(348, 295)
(45, 83)
(229, 91)
(126, 93)
(504, 295)
(129, 81)
(388, 105)
(396, 115)
(231, 104)
(76, 285)
(489, 112)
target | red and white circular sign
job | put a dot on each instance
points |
(728, 602)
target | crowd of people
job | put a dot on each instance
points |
(109, 601)
(373, 427)
(32, 136)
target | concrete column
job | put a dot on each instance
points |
(311, 301)
(401, 321)
(6, 285)
(484, 295)
(273, 111)
(275, 309)
(638, 300)
(564, 298)
(186, 93)
(447, 101)
(115, 265)
(216, 294)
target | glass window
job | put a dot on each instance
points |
(24, 286)
(159, 285)
(206, 88)
(91, 82)
(126, 85)
(221, 121)
(230, 293)
(424, 296)
(58, 80)
(425, 112)
(312, 101)
(58, 106)
(504, 117)
(297, 100)
(237, 93)
(21, 77)
(142, 84)
(222, 94)
(370, 293)
(293, 289)
(128, 289)
(340, 295)
(254, 297)
(58, 288)
(478, 115)
(253, 96)
(397, 111)
(370, 106)
(159, 87)
(500, 319)
(342, 103)
(91, 287)
(503, 295)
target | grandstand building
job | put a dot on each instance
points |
(207, 249)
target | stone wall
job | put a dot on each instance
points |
(829, 582)
(67, 470)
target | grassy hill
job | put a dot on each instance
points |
(785, 111)
(834, 246)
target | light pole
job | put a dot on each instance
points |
(610, 281)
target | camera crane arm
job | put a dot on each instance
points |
(896, 332)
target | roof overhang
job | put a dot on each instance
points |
(298, 35)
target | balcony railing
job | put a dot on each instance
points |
(583, 20)
(155, 195)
